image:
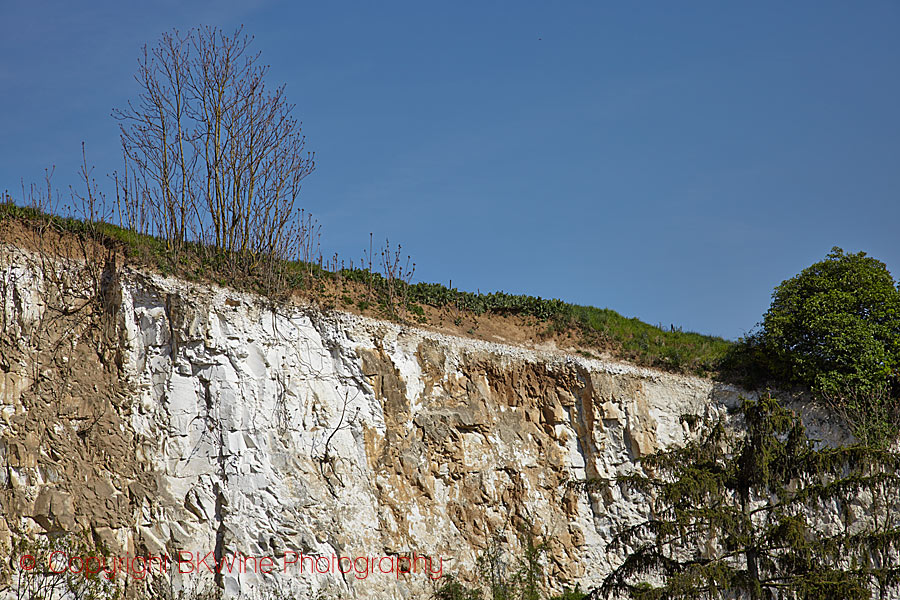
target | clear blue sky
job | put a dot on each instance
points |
(672, 161)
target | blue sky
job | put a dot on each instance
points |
(671, 161)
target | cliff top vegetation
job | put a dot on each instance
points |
(372, 289)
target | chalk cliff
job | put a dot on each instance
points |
(163, 416)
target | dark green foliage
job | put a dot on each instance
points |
(510, 577)
(764, 514)
(454, 590)
(836, 325)
(437, 295)
(571, 594)
(873, 415)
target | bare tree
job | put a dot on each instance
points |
(397, 276)
(217, 155)
(157, 138)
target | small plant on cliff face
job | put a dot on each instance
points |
(506, 576)
(767, 514)
(514, 577)
(571, 594)
(452, 589)
(872, 415)
(397, 276)
(57, 567)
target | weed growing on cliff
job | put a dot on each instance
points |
(56, 567)
(327, 462)
(872, 414)
(453, 589)
(397, 277)
(508, 576)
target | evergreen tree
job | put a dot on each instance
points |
(761, 512)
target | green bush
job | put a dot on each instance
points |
(571, 594)
(454, 590)
(836, 325)
(834, 329)
(505, 576)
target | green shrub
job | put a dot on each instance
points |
(835, 329)
(836, 324)
(452, 589)
(571, 594)
(751, 513)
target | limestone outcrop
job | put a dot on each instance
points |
(164, 417)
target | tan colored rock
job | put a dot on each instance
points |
(189, 415)
(54, 510)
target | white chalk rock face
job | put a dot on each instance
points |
(301, 437)
(283, 449)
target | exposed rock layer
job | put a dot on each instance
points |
(161, 416)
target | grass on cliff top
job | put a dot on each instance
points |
(627, 338)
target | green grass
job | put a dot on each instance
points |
(629, 338)
(132, 242)
(650, 345)
(602, 328)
